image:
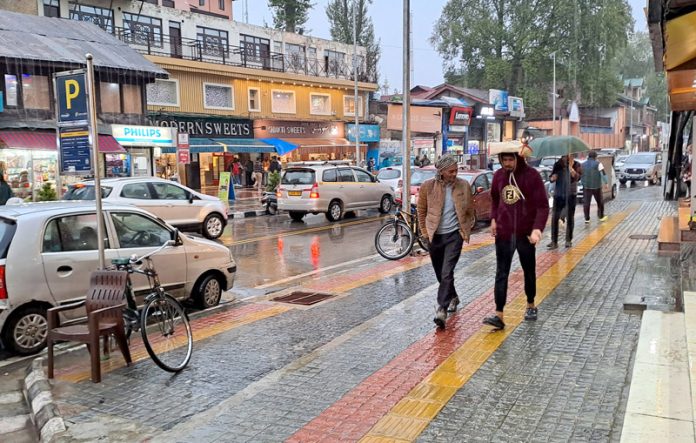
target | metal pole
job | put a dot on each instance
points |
(355, 76)
(406, 108)
(94, 137)
(630, 131)
(553, 94)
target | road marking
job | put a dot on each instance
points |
(412, 414)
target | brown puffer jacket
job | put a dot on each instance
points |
(431, 200)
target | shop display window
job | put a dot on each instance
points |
(10, 90)
(117, 165)
(27, 171)
(35, 92)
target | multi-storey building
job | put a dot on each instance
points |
(232, 84)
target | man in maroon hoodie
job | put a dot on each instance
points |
(518, 216)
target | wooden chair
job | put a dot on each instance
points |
(104, 305)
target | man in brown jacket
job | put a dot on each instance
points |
(446, 216)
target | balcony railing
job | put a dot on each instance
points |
(246, 57)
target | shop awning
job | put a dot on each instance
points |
(45, 140)
(282, 147)
(232, 145)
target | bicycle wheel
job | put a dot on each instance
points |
(394, 240)
(423, 242)
(166, 333)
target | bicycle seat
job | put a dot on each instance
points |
(120, 261)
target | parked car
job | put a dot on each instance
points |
(642, 166)
(545, 174)
(48, 251)
(174, 203)
(611, 188)
(619, 162)
(418, 176)
(390, 175)
(332, 188)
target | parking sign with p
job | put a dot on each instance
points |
(71, 96)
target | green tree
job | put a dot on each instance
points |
(340, 15)
(290, 15)
(508, 46)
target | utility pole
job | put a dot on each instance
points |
(355, 76)
(406, 108)
(553, 94)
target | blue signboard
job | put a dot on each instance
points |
(71, 96)
(75, 152)
(368, 133)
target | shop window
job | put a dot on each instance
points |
(163, 93)
(110, 97)
(10, 90)
(349, 105)
(35, 92)
(319, 104)
(72, 233)
(254, 100)
(132, 100)
(217, 96)
(138, 191)
(493, 132)
(283, 102)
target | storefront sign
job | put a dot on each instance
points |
(75, 153)
(71, 96)
(499, 99)
(516, 106)
(460, 117)
(297, 129)
(422, 118)
(143, 135)
(224, 186)
(182, 149)
(199, 127)
(367, 133)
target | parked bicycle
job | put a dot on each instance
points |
(162, 322)
(395, 239)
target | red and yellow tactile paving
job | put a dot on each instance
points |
(397, 402)
(224, 321)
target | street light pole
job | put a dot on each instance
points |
(406, 108)
(355, 76)
(553, 94)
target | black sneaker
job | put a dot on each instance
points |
(530, 314)
(552, 245)
(440, 317)
(495, 321)
(453, 305)
(569, 244)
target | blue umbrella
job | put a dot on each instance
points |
(557, 145)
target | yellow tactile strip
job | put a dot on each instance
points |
(410, 416)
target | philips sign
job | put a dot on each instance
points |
(143, 135)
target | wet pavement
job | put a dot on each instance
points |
(367, 365)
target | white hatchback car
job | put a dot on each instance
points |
(174, 203)
(48, 251)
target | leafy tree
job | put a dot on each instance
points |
(340, 15)
(508, 46)
(290, 15)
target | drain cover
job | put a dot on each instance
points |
(304, 298)
(642, 237)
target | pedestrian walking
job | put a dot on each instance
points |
(275, 165)
(5, 190)
(519, 212)
(236, 172)
(258, 175)
(248, 172)
(371, 165)
(424, 161)
(565, 174)
(446, 215)
(593, 177)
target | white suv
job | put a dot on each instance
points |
(174, 203)
(331, 187)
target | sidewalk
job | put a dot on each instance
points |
(367, 365)
(247, 202)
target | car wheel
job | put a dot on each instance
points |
(272, 209)
(622, 181)
(474, 221)
(614, 191)
(296, 215)
(213, 225)
(26, 330)
(335, 211)
(208, 292)
(385, 204)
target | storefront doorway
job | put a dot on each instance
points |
(141, 161)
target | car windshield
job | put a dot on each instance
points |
(641, 159)
(621, 158)
(421, 175)
(84, 192)
(549, 161)
(298, 177)
(388, 174)
(467, 177)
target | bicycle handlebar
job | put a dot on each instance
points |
(134, 259)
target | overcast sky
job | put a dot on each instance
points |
(387, 18)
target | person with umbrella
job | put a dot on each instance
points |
(566, 173)
(519, 213)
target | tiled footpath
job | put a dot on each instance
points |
(330, 373)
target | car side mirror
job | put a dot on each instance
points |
(190, 198)
(175, 240)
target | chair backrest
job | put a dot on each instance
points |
(106, 288)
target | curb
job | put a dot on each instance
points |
(44, 411)
(245, 214)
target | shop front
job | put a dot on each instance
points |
(143, 156)
(214, 143)
(307, 140)
(29, 160)
(426, 128)
(369, 134)
(458, 132)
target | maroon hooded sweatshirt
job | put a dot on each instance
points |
(529, 212)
